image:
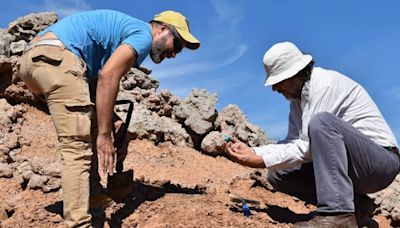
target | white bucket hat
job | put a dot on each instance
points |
(283, 61)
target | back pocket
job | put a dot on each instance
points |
(47, 54)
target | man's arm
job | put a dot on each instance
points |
(290, 153)
(116, 66)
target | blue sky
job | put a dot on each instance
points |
(360, 39)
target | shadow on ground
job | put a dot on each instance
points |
(140, 193)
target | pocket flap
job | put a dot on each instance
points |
(74, 103)
(79, 106)
(46, 54)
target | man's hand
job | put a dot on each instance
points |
(106, 153)
(242, 154)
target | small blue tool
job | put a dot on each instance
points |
(245, 203)
(246, 209)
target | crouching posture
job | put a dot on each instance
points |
(338, 147)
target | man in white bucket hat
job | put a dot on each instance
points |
(338, 147)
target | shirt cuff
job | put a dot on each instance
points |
(264, 152)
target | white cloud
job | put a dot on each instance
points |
(227, 17)
(229, 14)
(66, 7)
(189, 67)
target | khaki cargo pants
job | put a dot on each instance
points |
(59, 75)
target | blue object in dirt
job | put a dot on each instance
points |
(246, 210)
(227, 138)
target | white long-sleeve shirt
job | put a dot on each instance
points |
(326, 91)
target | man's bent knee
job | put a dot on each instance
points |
(318, 121)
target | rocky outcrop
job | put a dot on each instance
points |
(158, 116)
(11, 118)
(18, 47)
(5, 40)
(137, 78)
(6, 73)
(146, 124)
(198, 111)
(39, 173)
(232, 121)
(27, 27)
(13, 42)
(213, 144)
(162, 103)
(6, 170)
(389, 200)
(152, 111)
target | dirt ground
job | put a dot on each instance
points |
(171, 187)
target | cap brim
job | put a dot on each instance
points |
(191, 41)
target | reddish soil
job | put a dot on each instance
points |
(171, 187)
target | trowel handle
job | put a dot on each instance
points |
(119, 137)
(119, 167)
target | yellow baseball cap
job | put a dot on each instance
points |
(181, 25)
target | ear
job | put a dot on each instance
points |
(163, 27)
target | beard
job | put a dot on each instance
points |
(157, 50)
(291, 97)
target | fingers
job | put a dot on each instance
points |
(100, 156)
(106, 155)
(238, 151)
(236, 146)
(228, 146)
(235, 140)
(233, 149)
(111, 158)
(231, 153)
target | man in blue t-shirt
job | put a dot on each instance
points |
(101, 45)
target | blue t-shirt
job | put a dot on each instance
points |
(95, 35)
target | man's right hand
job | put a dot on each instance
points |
(243, 154)
(106, 153)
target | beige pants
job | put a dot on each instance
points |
(59, 75)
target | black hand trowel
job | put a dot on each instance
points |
(120, 184)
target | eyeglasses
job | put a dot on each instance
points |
(177, 40)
